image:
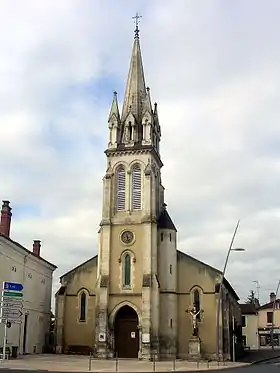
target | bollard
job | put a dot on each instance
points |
(117, 362)
(207, 364)
(89, 362)
(197, 364)
(174, 365)
(154, 362)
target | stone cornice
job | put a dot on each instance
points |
(120, 152)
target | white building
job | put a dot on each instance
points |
(18, 264)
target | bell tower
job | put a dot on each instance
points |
(133, 201)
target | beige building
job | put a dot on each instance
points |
(265, 323)
(250, 338)
(27, 267)
(134, 298)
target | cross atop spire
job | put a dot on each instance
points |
(136, 31)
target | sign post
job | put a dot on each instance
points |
(11, 308)
(5, 342)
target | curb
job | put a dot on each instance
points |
(265, 359)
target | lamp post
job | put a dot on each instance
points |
(273, 312)
(257, 305)
(258, 288)
(220, 288)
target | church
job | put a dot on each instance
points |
(135, 299)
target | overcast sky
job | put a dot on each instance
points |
(213, 68)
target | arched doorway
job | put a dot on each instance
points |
(126, 333)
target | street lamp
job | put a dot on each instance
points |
(220, 287)
(258, 288)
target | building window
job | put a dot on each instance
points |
(171, 322)
(129, 131)
(196, 298)
(127, 270)
(161, 236)
(120, 195)
(170, 269)
(170, 237)
(136, 187)
(244, 340)
(243, 321)
(265, 340)
(83, 304)
(269, 317)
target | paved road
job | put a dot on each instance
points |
(270, 366)
(260, 368)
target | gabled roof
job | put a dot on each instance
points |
(78, 267)
(248, 309)
(268, 305)
(26, 250)
(179, 253)
(226, 283)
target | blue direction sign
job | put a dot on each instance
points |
(14, 286)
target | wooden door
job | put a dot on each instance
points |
(127, 335)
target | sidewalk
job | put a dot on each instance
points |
(70, 363)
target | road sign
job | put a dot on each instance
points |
(4, 321)
(12, 294)
(15, 286)
(11, 313)
(12, 300)
(11, 305)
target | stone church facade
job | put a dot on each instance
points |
(131, 300)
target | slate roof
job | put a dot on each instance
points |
(165, 221)
(26, 250)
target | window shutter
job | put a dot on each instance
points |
(136, 188)
(120, 189)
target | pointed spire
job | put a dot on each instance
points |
(114, 108)
(148, 104)
(135, 92)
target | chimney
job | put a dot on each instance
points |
(6, 217)
(36, 247)
(272, 297)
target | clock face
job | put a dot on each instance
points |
(127, 237)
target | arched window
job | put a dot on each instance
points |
(129, 131)
(83, 305)
(120, 188)
(136, 187)
(196, 299)
(127, 270)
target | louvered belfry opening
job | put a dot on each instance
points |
(120, 188)
(136, 187)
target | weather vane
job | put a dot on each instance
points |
(137, 16)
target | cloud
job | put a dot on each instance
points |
(212, 68)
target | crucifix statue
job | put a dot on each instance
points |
(194, 313)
